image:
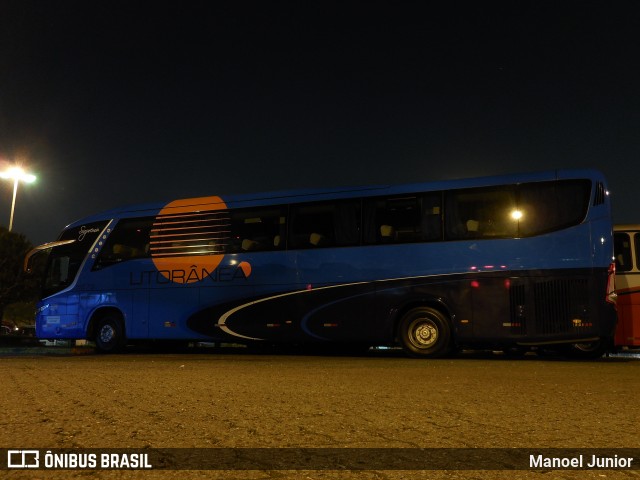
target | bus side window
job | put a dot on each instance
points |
(346, 218)
(402, 219)
(311, 226)
(325, 224)
(257, 229)
(129, 239)
(548, 206)
(622, 250)
(432, 217)
(481, 213)
(372, 222)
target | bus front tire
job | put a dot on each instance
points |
(424, 332)
(109, 334)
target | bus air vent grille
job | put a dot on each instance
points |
(559, 304)
(600, 195)
(195, 233)
(517, 300)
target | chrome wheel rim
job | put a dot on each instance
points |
(424, 333)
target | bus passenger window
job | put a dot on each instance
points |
(431, 218)
(347, 223)
(481, 213)
(257, 229)
(622, 249)
(129, 240)
(403, 219)
(548, 206)
(334, 224)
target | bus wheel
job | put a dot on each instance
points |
(586, 351)
(425, 332)
(109, 335)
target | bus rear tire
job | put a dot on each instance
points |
(424, 332)
(109, 334)
(586, 351)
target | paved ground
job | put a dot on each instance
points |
(206, 400)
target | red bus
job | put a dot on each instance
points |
(627, 255)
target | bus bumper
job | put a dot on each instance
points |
(58, 326)
(53, 320)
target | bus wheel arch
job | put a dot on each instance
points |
(424, 330)
(588, 350)
(107, 330)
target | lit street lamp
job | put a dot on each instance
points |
(16, 174)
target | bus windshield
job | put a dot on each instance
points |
(58, 263)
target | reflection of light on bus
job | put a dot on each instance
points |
(627, 257)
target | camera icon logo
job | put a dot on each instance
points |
(23, 459)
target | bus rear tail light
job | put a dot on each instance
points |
(612, 296)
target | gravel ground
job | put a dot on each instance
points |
(217, 400)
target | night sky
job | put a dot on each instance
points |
(113, 103)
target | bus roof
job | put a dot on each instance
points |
(319, 194)
(627, 227)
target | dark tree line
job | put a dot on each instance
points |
(15, 286)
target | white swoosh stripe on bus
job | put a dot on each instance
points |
(223, 319)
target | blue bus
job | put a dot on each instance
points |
(514, 261)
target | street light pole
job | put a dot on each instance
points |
(16, 174)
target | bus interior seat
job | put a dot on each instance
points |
(317, 240)
(125, 251)
(249, 245)
(473, 226)
(387, 232)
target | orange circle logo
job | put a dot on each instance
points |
(246, 268)
(189, 237)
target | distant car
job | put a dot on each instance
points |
(29, 331)
(4, 330)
